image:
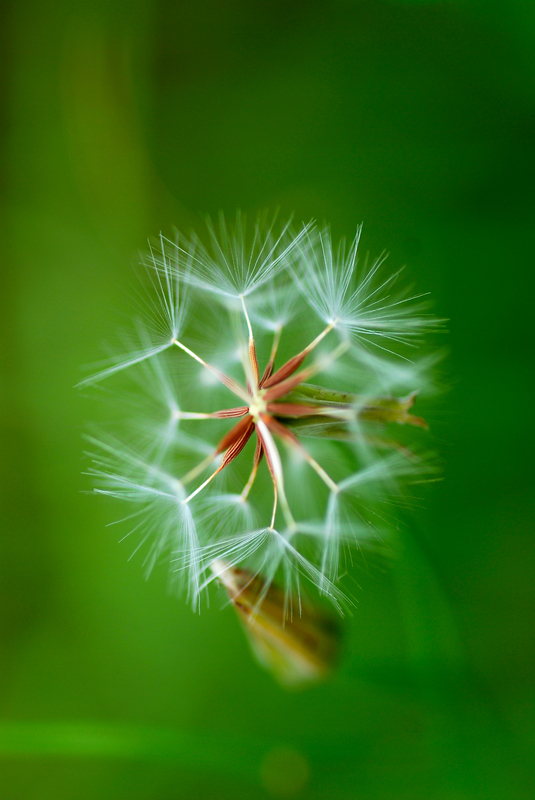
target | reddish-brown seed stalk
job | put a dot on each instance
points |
(261, 392)
(264, 415)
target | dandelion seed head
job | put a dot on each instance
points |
(269, 371)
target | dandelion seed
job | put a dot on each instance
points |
(365, 303)
(164, 309)
(232, 267)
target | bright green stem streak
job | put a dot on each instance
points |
(322, 395)
(217, 752)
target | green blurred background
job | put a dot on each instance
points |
(119, 120)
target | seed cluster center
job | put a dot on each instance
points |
(258, 405)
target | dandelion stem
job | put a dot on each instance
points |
(275, 500)
(247, 317)
(248, 486)
(293, 441)
(275, 346)
(321, 472)
(232, 444)
(287, 513)
(275, 468)
(228, 382)
(202, 486)
(259, 452)
(284, 372)
(196, 471)
(252, 348)
(331, 357)
(321, 336)
(284, 387)
(191, 415)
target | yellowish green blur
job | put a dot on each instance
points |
(119, 120)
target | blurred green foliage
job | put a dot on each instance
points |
(123, 119)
